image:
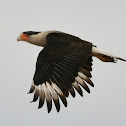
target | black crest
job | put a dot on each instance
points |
(30, 32)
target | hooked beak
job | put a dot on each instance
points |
(19, 39)
(23, 37)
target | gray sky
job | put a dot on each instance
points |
(102, 22)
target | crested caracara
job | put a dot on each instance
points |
(63, 66)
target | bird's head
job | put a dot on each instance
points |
(25, 36)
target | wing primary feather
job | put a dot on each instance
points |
(81, 75)
(54, 96)
(67, 67)
(86, 72)
(32, 88)
(56, 81)
(63, 73)
(42, 96)
(56, 69)
(60, 93)
(48, 98)
(87, 67)
(36, 94)
(63, 80)
(67, 72)
(77, 87)
(72, 92)
(82, 83)
(62, 86)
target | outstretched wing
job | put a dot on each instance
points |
(63, 65)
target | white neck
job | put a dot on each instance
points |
(39, 39)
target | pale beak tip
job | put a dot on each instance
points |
(19, 39)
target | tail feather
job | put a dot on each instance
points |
(121, 59)
(105, 56)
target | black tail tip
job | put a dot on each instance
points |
(121, 59)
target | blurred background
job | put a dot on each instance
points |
(102, 22)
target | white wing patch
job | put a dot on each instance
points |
(53, 92)
(48, 91)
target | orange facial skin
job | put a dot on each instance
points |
(24, 37)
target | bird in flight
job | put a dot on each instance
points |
(63, 66)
